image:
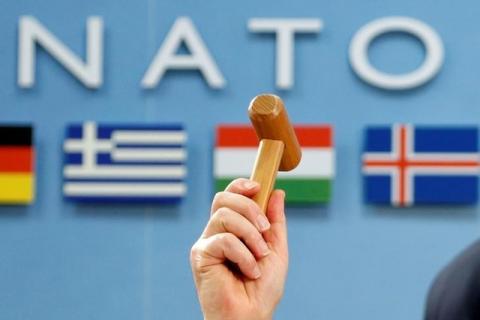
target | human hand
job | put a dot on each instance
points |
(240, 261)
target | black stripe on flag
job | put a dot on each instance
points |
(15, 135)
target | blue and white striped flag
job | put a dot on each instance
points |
(124, 163)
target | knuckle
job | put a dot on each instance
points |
(221, 212)
(221, 216)
(219, 197)
(228, 239)
(195, 252)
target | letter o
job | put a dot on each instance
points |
(430, 39)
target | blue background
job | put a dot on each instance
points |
(348, 260)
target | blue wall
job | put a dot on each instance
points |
(348, 260)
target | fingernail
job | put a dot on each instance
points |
(256, 272)
(263, 223)
(264, 248)
(250, 184)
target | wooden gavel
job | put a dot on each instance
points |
(279, 148)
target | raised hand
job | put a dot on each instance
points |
(240, 261)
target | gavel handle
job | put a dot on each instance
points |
(265, 170)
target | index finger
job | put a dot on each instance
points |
(243, 186)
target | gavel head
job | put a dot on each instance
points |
(270, 120)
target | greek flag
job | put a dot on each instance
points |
(124, 163)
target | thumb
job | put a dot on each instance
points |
(276, 236)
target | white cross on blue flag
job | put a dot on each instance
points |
(124, 163)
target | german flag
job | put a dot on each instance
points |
(17, 176)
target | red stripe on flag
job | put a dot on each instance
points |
(236, 136)
(402, 166)
(423, 163)
(244, 136)
(16, 159)
(314, 136)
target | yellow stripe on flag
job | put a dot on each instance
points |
(16, 188)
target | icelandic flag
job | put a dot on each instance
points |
(406, 165)
(124, 163)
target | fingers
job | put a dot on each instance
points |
(243, 205)
(227, 220)
(243, 186)
(276, 236)
(238, 231)
(225, 246)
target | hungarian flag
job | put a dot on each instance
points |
(236, 150)
(17, 177)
